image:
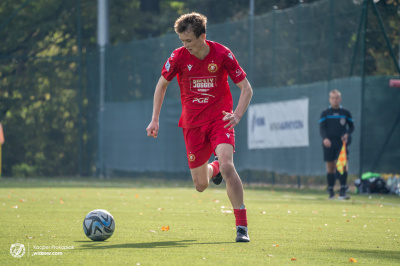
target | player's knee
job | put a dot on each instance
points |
(201, 187)
(227, 170)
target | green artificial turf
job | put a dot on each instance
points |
(286, 226)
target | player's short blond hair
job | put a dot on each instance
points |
(195, 22)
(335, 92)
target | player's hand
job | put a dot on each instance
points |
(152, 129)
(327, 142)
(345, 137)
(232, 118)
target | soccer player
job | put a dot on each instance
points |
(335, 126)
(208, 120)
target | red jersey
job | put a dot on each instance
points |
(205, 91)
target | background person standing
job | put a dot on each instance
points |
(336, 125)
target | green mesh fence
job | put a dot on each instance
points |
(299, 52)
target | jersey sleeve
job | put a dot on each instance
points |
(322, 126)
(350, 123)
(235, 72)
(171, 67)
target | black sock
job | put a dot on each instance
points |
(343, 179)
(331, 180)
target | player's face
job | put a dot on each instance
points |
(191, 43)
(334, 100)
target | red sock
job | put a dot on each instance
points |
(241, 217)
(215, 166)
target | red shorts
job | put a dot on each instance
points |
(202, 141)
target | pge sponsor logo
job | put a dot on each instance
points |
(200, 100)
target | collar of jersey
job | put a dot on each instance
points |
(202, 60)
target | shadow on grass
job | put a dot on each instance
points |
(365, 254)
(159, 244)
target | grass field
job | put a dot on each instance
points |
(286, 226)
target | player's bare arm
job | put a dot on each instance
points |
(159, 94)
(244, 101)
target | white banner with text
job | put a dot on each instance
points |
(278, 125)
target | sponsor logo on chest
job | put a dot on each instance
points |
(203, 84)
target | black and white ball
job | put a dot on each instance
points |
(99, 225)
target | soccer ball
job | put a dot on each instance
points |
(99, 225)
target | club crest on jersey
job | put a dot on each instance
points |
(230, 56)
(228, 135)
(190, 67)
(192, 157)
(342, 121)
(167, 65)
(212, 67)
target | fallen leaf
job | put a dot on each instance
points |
(270, 255)
(22, 200)
(293, 259)
(61, 201)
(136, 196)
(275, 245)
(14, 207)
(151, 231)
(352, 260)
(165, 228)
(348, 220)
(29, 237)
